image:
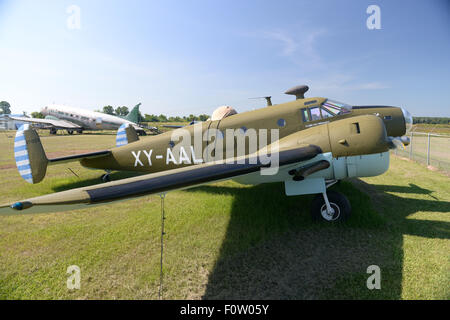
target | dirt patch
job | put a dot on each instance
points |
(402, 158)
(7, 166)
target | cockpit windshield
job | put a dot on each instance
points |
(336, 107)
(328, 109)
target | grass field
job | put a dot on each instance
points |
(439, 151)
(432, 128)
(226, 240)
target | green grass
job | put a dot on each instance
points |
(226, 240)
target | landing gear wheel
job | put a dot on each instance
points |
(70, 131)
(80, 131)
(340, 208)
(105, 177)
(53, 131)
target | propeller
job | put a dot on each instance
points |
(398, 142)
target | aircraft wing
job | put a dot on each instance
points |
(62, 124)
(154, 183)
(173, 126)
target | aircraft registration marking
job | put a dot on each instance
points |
(144, 157)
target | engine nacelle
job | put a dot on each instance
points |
(369, 165)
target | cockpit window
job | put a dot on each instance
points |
(315, 113)
(326, 113)
(305, 115)
(327, 110)
(337, 107)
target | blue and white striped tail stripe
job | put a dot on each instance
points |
(21, 154)
(121, 138)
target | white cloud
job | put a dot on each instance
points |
(370, 86)
(289, 46)
(299, 47)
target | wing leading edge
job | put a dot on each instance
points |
(60, 124)
(154, 183)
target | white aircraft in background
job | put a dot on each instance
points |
(59, 117)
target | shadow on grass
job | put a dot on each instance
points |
(272, 250)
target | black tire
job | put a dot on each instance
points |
(79, 131)
(70, 131)
(53, 131)
(338, 202)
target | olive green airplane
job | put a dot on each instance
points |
(309, 144)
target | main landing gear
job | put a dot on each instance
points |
(105, 177)
(79, 131)
(330, 206)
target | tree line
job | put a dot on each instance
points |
(164, 118)
(119, 111)
(124, 111)
(431, 120)
(5, 108)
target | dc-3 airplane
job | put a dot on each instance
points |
(315, 142)
(58, 117)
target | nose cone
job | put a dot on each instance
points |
(408, 119)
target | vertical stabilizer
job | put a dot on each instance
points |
(133, 116)
(29, 154)
(125, 135)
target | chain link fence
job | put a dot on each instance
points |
(428, 148)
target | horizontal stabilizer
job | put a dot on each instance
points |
(31, 160)
(80, 156)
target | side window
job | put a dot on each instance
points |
(315, 113)
(305, 115)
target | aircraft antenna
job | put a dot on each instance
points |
(268, 100)
(162, 195)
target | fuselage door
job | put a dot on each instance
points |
(98, 122)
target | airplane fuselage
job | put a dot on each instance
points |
(359, 131)
(86, 119)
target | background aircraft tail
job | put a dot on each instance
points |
(133, 116)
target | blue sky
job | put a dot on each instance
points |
(182, 57)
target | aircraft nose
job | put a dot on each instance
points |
(408, 119)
